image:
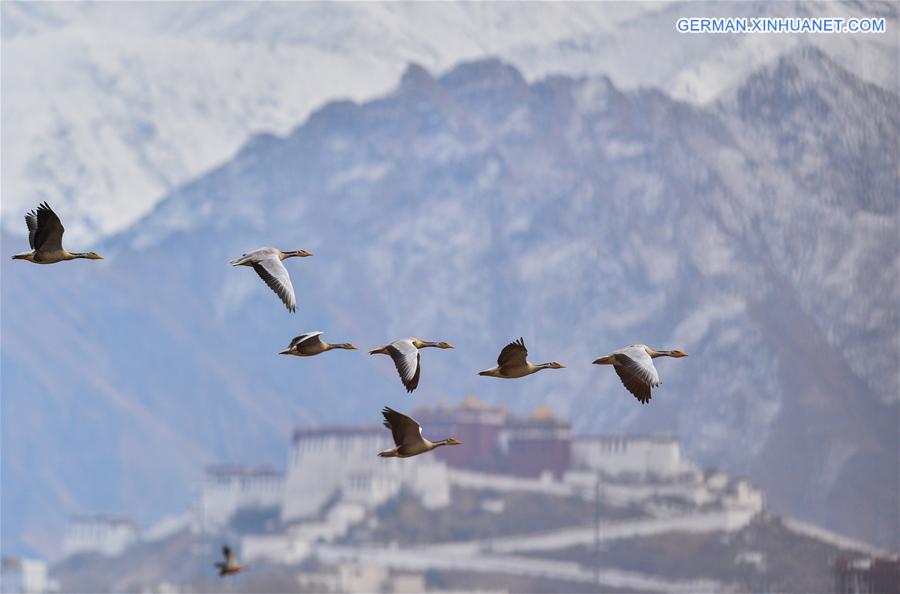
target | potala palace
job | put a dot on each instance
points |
(523, 498)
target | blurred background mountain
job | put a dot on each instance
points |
(737, 200)
(117, 107)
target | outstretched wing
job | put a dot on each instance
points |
(405, 430)
(406, 359)
(304, 338)
(513, 354)
(638, 374)
(32, 224)
(48, 231)
(273, 272)
(228, 554)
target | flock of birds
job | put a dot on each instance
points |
(633, 364)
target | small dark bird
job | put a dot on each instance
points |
(634, 364)
(230, 565)
(408, 436)
(405, 353)
(45, 232)
(513, 362)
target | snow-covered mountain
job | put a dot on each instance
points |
(107, 107)
(757, 233)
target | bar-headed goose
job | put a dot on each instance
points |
(408, 436)
(311, 343)
(230, 564)
(513, 362)
(45, 232)
(405, 353)
(267, 264)
(634, 364)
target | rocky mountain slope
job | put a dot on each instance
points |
(118, 105)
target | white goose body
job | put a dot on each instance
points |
(513, 363)
(634, 366)
(405, 354)
(310, 344)
(45, 233)
(267, 262)
(407, 434)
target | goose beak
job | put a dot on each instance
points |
(288, 352)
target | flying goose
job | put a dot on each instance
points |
(45, 233)
(408, 436)
(512, 362)
(311, 343)
(405, 353)
(230, 565)
(267, 264)
(634, 364)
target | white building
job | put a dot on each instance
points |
(363, 577)
(342, 462)
(637, 455)
(25, 576)
(226, 488)
(297, 541)
(105, 534)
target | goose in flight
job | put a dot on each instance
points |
(634, 364)
(311, 343)
(512, 362)
(230, 564)
(45, 233)
(267, 264)
(408, 436)
(405, 353)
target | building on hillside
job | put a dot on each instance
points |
(538, 444)
(227, 488)
(867, 576)
(105, 534)
(340, 463)
(25, 576)
(498, 442)
(476, 424)
(636, 455)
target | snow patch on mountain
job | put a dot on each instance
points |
(108, 107)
